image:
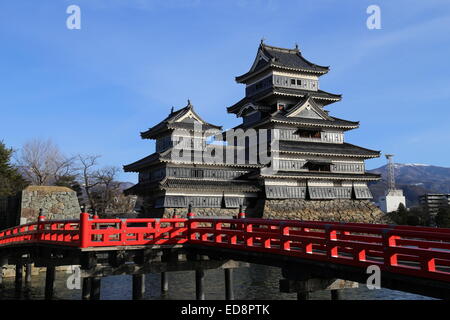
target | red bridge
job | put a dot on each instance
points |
(412, 259)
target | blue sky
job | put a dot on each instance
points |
(93, 90)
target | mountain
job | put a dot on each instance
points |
(414, 180)
(125, 185)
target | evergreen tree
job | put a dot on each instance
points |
(11, 181)
(443, 217)
(401, 215)
(421, 217)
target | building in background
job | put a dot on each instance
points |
(432, 202)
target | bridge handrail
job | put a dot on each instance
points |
(402, 250)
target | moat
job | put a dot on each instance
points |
(254, 283)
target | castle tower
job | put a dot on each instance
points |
(282, 93)
(177, 174)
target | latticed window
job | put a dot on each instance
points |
(197, 173)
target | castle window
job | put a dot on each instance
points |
(303, 133)
(197, 173)
(318, 166)
(293, 81)
(299, 82)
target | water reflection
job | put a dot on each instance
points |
(257, 282)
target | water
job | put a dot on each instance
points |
(256, 282)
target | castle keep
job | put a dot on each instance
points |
(315, 174)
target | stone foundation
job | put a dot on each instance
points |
(341, 210)
(55, 202)
(9, 271)
(182, 213)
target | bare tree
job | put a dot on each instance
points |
(42, 163)
(88, 170)
(106, 178)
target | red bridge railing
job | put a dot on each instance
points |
(415, 251)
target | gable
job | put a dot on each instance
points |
(246, 109)
(308, 109)
(190, 117)
(260, 60)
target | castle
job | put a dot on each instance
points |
(288, 158)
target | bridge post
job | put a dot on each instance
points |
(229, 294)
(95, 288)
(164, 283)
(28, 273)
(241, 213)
(86, 289)
(19, 274)
(49, 282)
(138, 286)
(335, 295)
(199, 284)
(3, 261)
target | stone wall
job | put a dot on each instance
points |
(342, 210)
(182, 213)
(56, 203)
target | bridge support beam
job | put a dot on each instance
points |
(229, 293)
(199, 284)
(164, 283)
(49, 282)
(138, 286)
(86, 289)
(95, 288)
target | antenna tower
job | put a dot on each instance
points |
(390, 171)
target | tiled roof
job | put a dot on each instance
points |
(237, 185)
(142, 163)
(320, 94)
(291, 59)
(197, 184)
(170, 123)
(323, 175)
(344, 149)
